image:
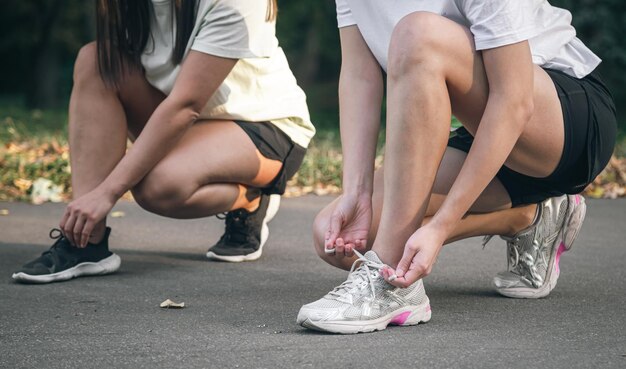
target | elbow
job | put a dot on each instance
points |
(519, 110)
(184, 112)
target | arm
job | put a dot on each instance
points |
(360, 99)
(170, 120)
(509, 108)
(165, 127)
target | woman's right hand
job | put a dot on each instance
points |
(349, 225)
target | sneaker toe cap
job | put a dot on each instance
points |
(314, 314)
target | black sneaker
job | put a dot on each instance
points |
(246, 232)
(64, 261)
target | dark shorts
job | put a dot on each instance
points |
(274, 144)
(590, 133)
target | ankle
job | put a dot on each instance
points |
(98, 234)
(253, 204)
(524, 217)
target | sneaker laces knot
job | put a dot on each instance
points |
(236, 226)
(368, 272)
(61, 240)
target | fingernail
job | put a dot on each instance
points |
(399, 272)
(392, 277)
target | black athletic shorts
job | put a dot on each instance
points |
(274, 144)
(590, 133)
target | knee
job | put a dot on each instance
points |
(86, 64)
(159, 194)
(416, 42)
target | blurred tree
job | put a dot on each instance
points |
(601, 25)
(307, 30)
(41, 38)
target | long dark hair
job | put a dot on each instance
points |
(123, 31)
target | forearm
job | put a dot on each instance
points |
(165, 127)
(360, 100)
(492, 145)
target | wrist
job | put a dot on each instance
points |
(111, 191)
(357, 187)
(357, 191)
(440, 226)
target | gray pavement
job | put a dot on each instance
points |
(243, 315)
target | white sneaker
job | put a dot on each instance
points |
(365, 302)
(534, 253)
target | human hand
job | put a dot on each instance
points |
(82, 214)
(420, 253)
(349, 225)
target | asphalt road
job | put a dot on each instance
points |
(244, 315)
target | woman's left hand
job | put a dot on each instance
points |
(420, 253)
(82, 214)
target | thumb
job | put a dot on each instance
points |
(334, 227)
(405, 262)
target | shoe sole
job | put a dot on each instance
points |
(406, 316)
(574, 217)
(272, 209)
(105, 266)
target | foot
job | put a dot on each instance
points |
(365, 302)
(64, 261)
(246, 232)
(534, 253)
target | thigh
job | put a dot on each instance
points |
(538, 150)
(139, 99)
(493, 198)
(213, 151)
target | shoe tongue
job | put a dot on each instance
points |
(372, 256)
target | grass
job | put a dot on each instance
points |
(34, 158)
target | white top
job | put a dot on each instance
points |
(260, 87)
(494, 23)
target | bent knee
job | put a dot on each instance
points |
(159, 194)
(86, 64)
(416, 41)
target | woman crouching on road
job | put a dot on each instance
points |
(217, 121)
(538, 126)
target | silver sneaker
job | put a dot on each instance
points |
(365, 302)
(534, 253)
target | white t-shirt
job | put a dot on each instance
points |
(261, 87)
(493, 23)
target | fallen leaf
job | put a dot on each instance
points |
(4, 211)
(169, 304)
(117, 214)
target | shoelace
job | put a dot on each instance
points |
(521, 261)
(512, 247)
(236, 226)
(55, 234)
(362, 273)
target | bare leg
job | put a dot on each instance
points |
(189, 182)
(429, 74)
(490, 215)
(98, 123)
(203, 175)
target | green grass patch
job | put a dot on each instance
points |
(33, 146)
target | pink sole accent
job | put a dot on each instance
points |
(577, 199)
(428, 308)
(400, 318)
(557, 259)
